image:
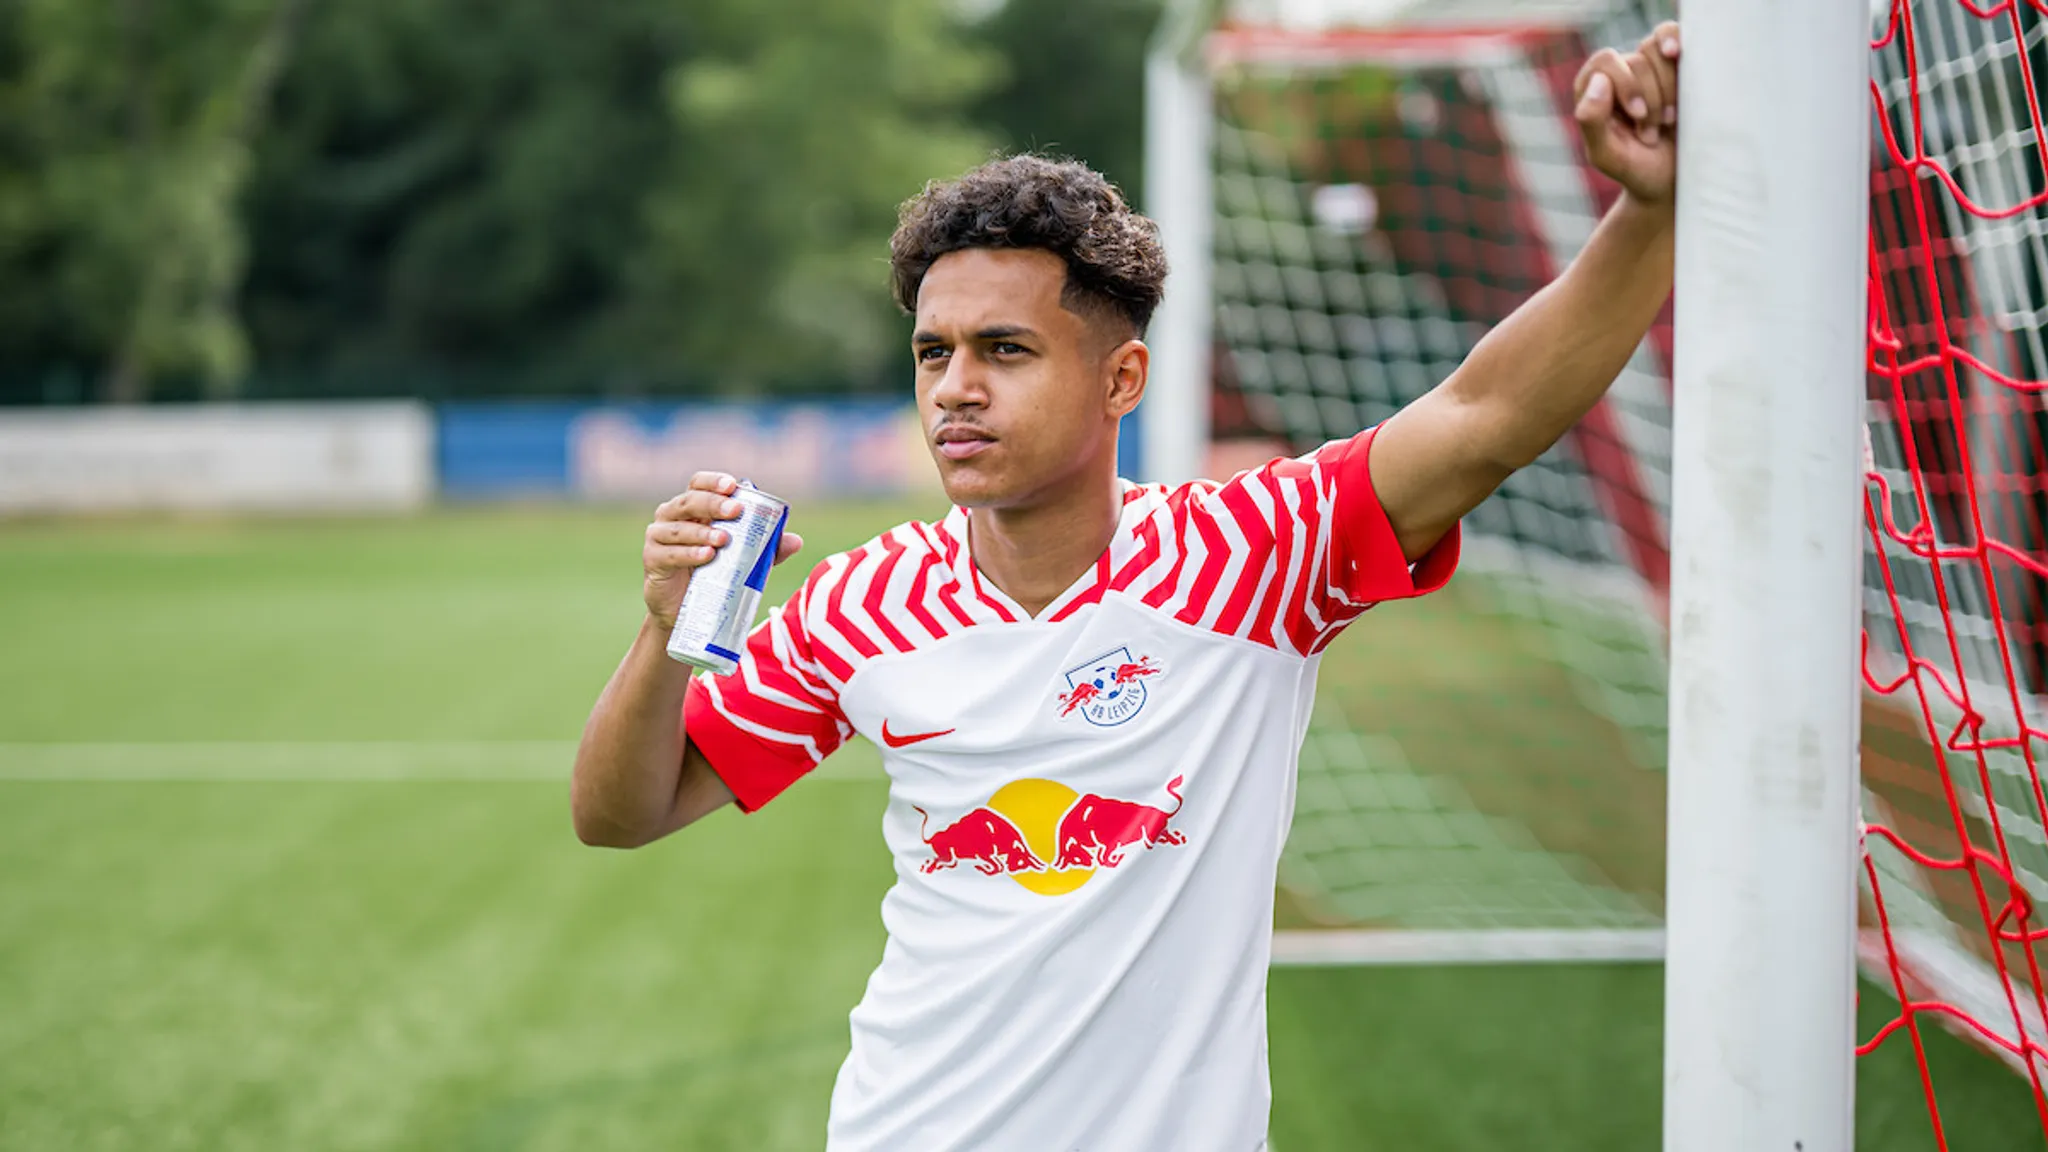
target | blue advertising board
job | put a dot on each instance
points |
(799, 450)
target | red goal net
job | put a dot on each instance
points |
(1956, 595)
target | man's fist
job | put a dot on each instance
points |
(1628, 114)
(683, 539)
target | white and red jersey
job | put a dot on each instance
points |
(1086, 808)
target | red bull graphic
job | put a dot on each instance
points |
(985, 838)
(1109, 689)
(1029, 822)
(1097, 829)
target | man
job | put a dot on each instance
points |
(1090, 695)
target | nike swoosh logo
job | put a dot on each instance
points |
(895, 741)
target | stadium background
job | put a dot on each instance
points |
(282, 816)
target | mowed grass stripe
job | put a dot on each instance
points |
(334, 761)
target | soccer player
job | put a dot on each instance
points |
(1090, 695)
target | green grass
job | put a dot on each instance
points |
(405, 963)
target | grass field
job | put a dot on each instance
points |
(285, 863)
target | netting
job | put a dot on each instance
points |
(1956, 623)
(1380, 203)
(1381, 199)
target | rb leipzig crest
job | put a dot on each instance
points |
(1109, 689)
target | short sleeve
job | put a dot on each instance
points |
(1349, 558)
(1366, 563)
(772, 719)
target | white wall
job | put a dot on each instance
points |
(233, 457)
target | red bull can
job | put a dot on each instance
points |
(718, 607)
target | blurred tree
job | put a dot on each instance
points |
(1075, 82)
(630, 196)
(126, 129)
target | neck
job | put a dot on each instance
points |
(1034, 554)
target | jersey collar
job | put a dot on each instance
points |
(1086, 590)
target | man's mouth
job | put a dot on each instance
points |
(959, 443)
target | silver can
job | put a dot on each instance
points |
(719, 605)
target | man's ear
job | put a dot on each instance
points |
(1128, 366)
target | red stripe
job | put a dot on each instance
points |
(1258, 553)
(923, 615)
(1148, 552)
(948, 592)
(797, 638)
(1284, 551)
(1211, 572)
(1315, 573)
(1163, 591)
(982, 595)
(1092, 594)
(833, 664)
(947, 597)
(835, 613)
(874, 601)
(790, 680)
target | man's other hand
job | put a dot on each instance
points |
(1628, 114)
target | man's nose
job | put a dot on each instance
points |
(964, 384)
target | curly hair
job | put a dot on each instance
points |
(1115, 264)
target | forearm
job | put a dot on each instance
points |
(1531, 378)
(629, 766)
(1527, 382)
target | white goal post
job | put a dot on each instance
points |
(1767, 546)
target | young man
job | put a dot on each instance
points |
(1090, 695)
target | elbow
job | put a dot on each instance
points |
(596, 833)
(597, 828)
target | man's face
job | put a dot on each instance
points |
(1019, 396)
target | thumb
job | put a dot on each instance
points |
(790, 546)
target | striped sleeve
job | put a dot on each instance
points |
(1283, 555)
(775, 716)
(1361, 561)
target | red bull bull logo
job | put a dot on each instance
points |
(1048, 837)
(1109, 689)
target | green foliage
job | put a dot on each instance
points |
(771, 219)
(1075, 85)
(648, 193)
(634, 196)
(127, 128)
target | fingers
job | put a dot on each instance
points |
(1650, 119)
(1658, 54)
(1636, 93)
(700, 504)
(673, 545)
(714, 482)
(1606, 84)
(687, 532)
(790, 546)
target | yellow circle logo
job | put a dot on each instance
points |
(1035, 807)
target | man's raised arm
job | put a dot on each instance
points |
(637, 776)
(1531, 378)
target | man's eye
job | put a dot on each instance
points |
(1005, 348)
(928, 354)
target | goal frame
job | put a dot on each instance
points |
(1765, 838)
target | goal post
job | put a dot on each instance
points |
(1766, 548)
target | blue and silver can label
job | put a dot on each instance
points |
(719, 605)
